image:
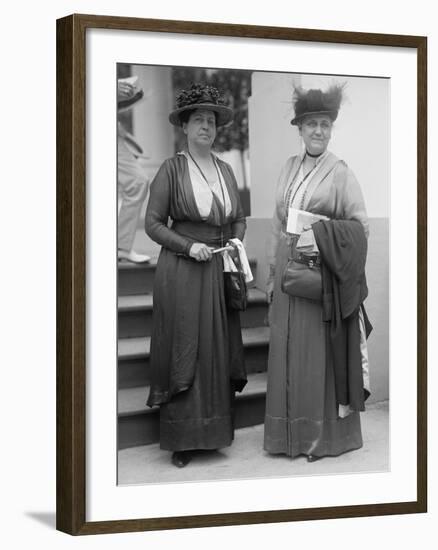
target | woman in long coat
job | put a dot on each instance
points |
(196, 346)
(303, 414)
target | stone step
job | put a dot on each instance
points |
(135, 313)
(133, 356)
(139, 424)
(139, 278)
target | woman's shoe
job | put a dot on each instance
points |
(181, 458)
(313, 458)
(133, 256)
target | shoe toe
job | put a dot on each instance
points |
(313, 458)
(181, 459)
(138, 258)
(133, 257)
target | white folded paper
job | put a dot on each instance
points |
(299, 219)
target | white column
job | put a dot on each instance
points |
(151, 126)
(272, 139)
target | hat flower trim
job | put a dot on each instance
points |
(198, 94)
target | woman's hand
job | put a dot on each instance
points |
(200, 252)
(233, 252)
(306, 243)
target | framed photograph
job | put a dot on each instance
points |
(241, 274)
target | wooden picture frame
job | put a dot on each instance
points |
(71, 273)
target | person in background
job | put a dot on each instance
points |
(132, 180)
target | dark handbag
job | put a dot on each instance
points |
(235, 288)
(302, 278)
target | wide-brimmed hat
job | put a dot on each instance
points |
(132, 97)
(200, 96)
(317, 102)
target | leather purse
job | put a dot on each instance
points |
(302, 278)
(235, 288)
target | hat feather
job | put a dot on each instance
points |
(316, 101)
(333, 97)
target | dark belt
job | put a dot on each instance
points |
(212, 235)
(310, 261)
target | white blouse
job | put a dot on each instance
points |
(299, 189)
(203, 191)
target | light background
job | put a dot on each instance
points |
(28, 276)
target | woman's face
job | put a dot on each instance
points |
(316, 131)
(200, 129)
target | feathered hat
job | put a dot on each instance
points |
(317, 102)
(200, 96)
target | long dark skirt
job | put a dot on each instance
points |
(200, 343)
(301, 412)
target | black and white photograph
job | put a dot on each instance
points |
(253, 289)
(219, 228)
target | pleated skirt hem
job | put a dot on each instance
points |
(303, 436)
(197, 433)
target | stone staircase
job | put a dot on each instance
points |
(139, 424)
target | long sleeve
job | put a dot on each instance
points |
(276, 222)
(157, 214)
(238, 227)
(353, 203)
(273, 240)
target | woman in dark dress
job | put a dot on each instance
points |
(196, 346)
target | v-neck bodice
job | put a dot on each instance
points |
(209, 197)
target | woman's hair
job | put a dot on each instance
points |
(185, 115)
